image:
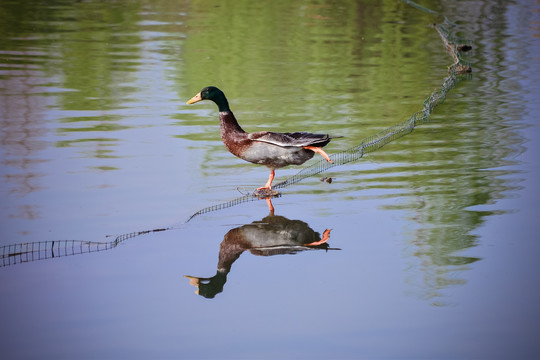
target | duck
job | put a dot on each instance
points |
(272, 149)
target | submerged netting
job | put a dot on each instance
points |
(40, 250)
(26, 252)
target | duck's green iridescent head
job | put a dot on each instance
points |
(211, 93)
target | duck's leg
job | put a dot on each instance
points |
(270, 206)
(269, 182)
(320, 151)
(325, 237)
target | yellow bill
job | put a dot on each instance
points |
(194, 99)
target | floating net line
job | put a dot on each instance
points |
(225, 205)
(41, 250)
(456, 71)
(33, 251)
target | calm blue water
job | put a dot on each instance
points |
(431, 252)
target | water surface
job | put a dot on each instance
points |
(431, 238)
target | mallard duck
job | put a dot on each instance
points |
(275, 150)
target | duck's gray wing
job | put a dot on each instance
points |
(296, 139)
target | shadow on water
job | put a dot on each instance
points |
(272, 235)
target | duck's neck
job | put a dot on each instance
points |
(221, 101)
(228, 124)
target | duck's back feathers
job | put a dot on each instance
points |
(296, 139)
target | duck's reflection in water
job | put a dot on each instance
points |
(273, 235)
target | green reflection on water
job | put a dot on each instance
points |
(323, 66)
(349, 68)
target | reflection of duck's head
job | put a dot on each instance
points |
(209, 287)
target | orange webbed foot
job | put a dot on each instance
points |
(266, 190)
(325, 237)
(320, 151)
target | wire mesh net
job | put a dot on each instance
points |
(40, 250)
